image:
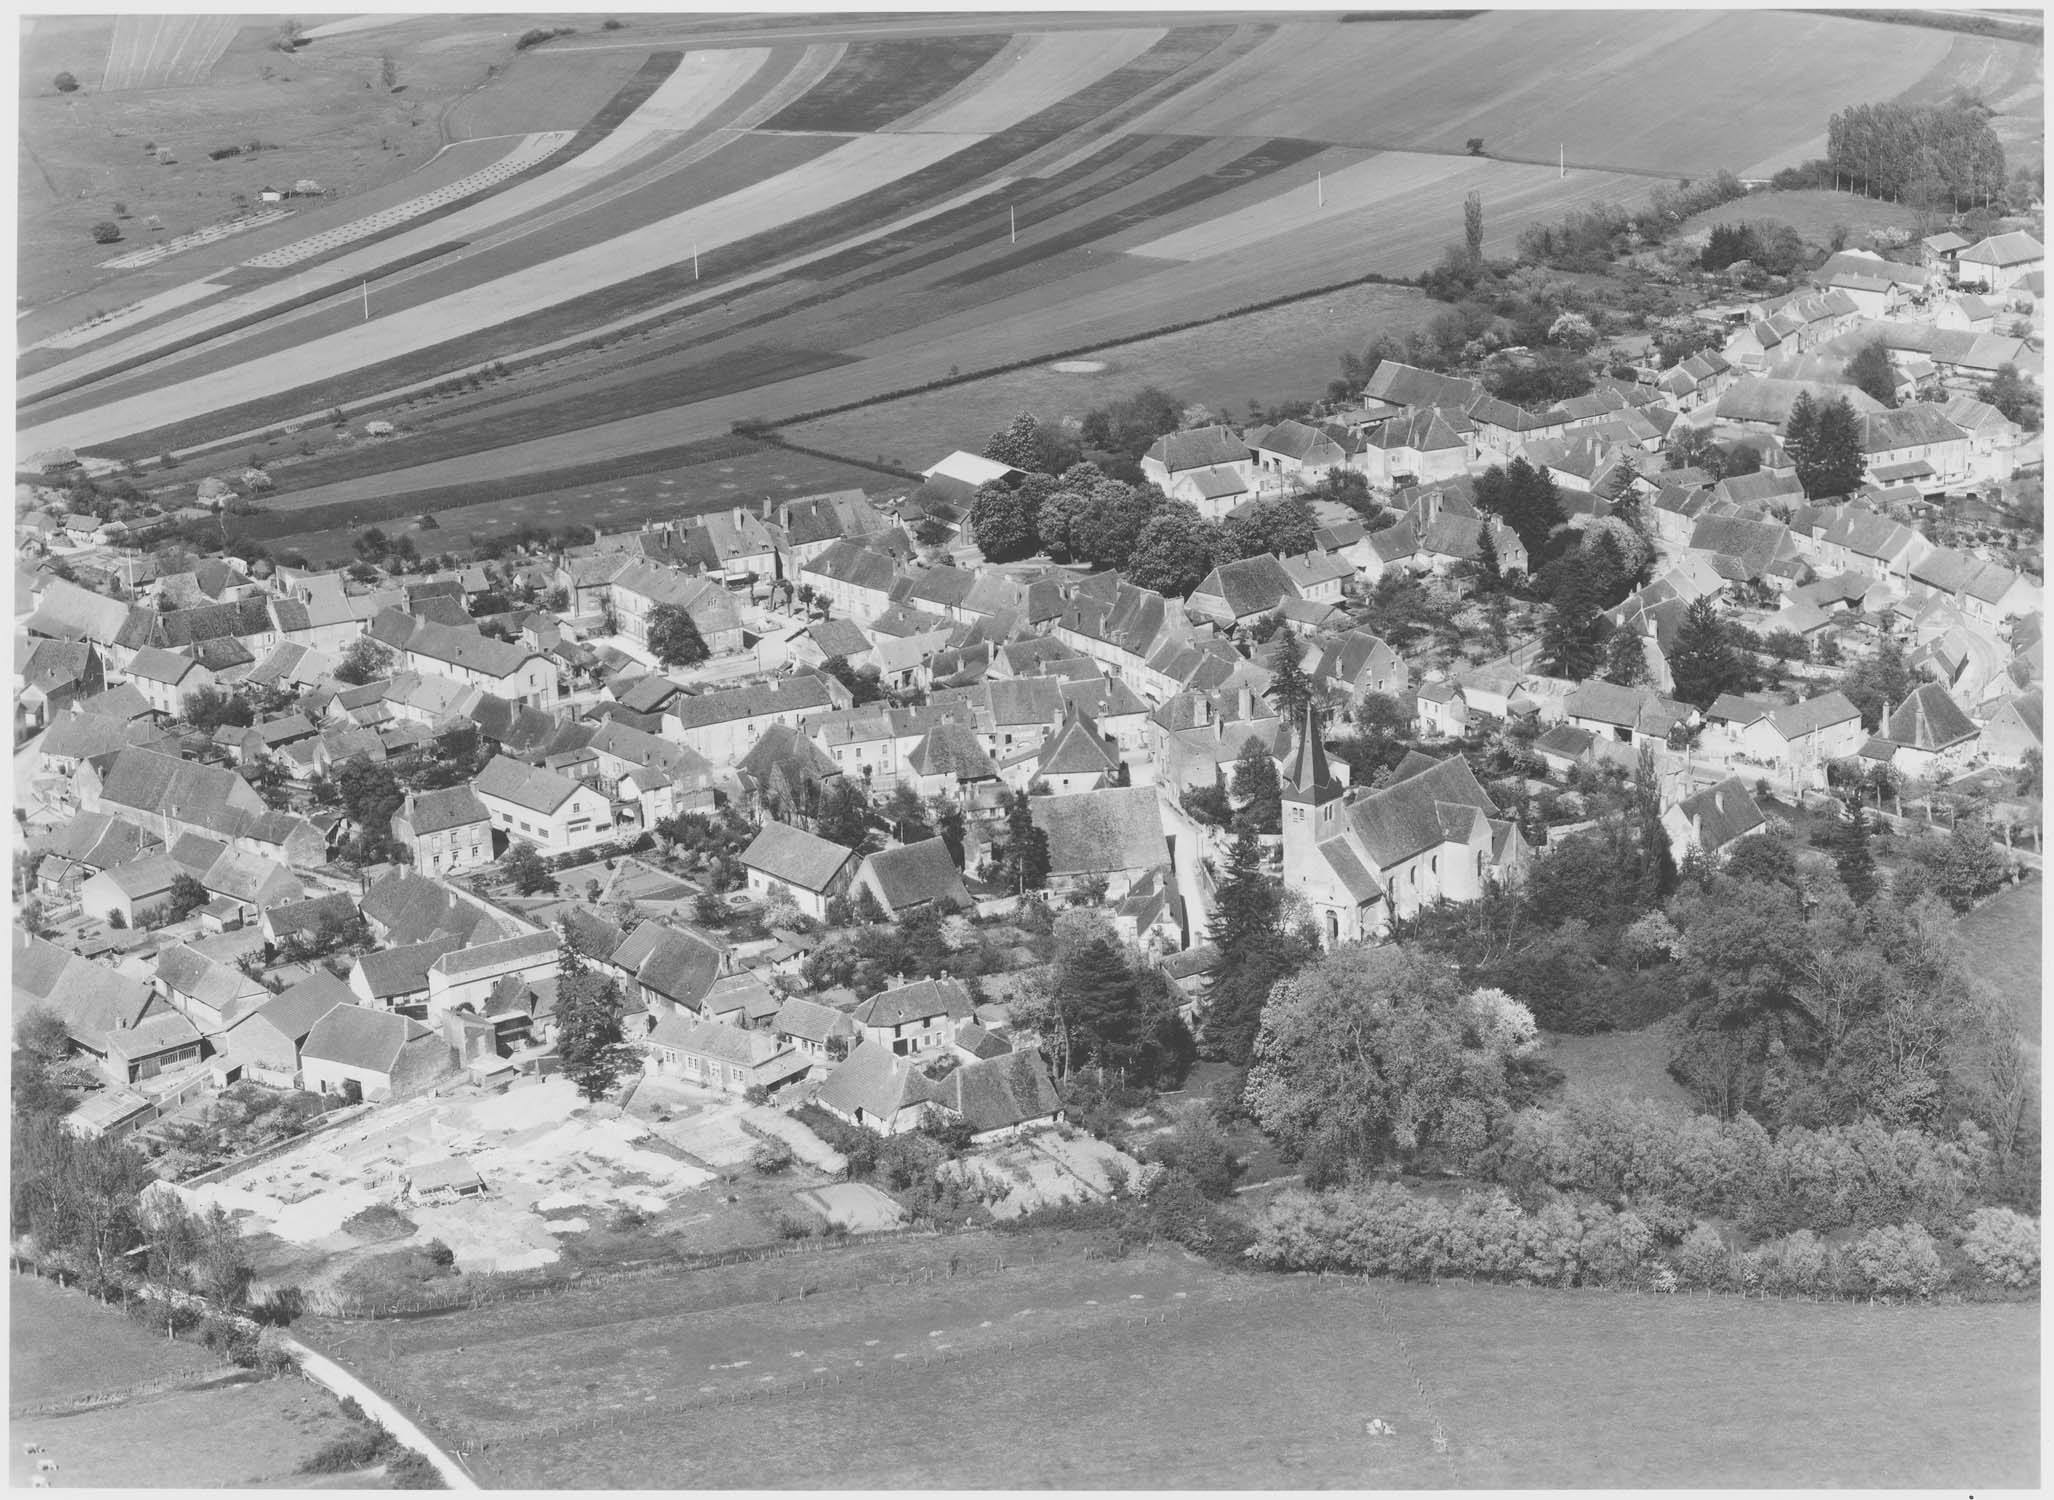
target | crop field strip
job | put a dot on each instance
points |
(647, 79)
(956, 171)
(878, 81)
(165, 51)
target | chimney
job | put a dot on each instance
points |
(1246, 702)
(739, 513)
(766, 507)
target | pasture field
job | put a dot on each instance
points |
(878, 81)
(542, 90)
(63, 1343)
(1622, 1064)
(1525, 1389)
(2004, 935)
(1275, 355)
(245, 1434)
(1813, 214)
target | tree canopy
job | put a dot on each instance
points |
(674, 637)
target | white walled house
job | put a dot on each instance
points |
(552, 812)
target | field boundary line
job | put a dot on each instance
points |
(326, 1372)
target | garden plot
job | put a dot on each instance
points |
(807, 1146)
(536, 1147)
(1041, 1170)
(856, 1206)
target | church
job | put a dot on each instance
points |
(1362, 857)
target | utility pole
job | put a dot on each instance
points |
(695, 260)
(367, 300)
(1013, 223)
(1564, 159)
(1321, 179)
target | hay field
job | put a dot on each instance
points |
(1050, 68)
(1523, 1388)
(879, 80)
(1702, 89)
(62, 1343)
(165, 52)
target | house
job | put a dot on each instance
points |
(1361, 857)
(1299, 451)
(912, 1019)
(1115, 835)
(266, 1042)
(467, 656)
(1563, 747)
(1442, 713)
(128, 1030)
(820, 1033)
(1427, 445)
(1931, 733)
(373, 1054)
(2015, 728)
(640, 589)
(444, 830)
(741, 999)
(911, 877)
(961, 475)
(211, 995)
(1210, 468)
(305, 920)
(1896, 443)
(167, 680)
(950, 761)
(1810, 735)
(1003, 1096)
(1238, 594)
(667, 971)
(1631, 716)
(1999, 262)
(464, 978)
(855, 575)
(403, 906)
(50, 676)
(134, 892)
(726, 1058)
(808, 526)
(550, 811)
(1712, 821)
(996, 1097)
(1360, 663)
(721, 726)
(84, 845)
(790, 861)
(1079, 758)
(879, 1090)
(397, 978)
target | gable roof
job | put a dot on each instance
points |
(995, 1093)
(916, 873)
(677, 965)
(532, 787)
(1928, 720)
(796, 857)
(295, 1009)
(916, 1001)
(358, 1037)
(443, 809)
(1198, 448)
(1408, 816)
(404, 971)
(1250, 586)
(1722, 813)
(1100, 832)
(1795, 720)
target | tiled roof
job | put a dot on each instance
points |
(1199, 448)
(796, 857)
(1928, 720)
(358, 1037)
(916, 873)
(442, 809)
(916, 1001)
(1722, 814)
(1106, 831)
(404, 971)
(527, 786)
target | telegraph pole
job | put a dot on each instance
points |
(367, 301)
(1013, 223)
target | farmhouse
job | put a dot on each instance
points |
(913, 876)
(912, 1019)
(266, 1043)
(1712, 821)
(1210, 468)
(550, 811)
(448, 829)
(2000, 262)
(1115, 835)
(668, 971)
(789, 861)
(721, 1057)
(720, 727)
(376, 1054)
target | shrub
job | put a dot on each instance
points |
(2005, 1246)
(440, 1254)
(1799, 1262)
(771, 1156)
(352, 1451)
(1704, 1260)
(793, 1226)
(106, 232)
(1901, 1259)
(65, 83)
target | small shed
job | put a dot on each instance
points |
(449, 1178)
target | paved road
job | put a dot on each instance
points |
(327, 1372)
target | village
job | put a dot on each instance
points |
(815, 785)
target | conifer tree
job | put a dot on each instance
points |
(1851, 856)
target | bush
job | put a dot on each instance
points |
(1703, 1259)
(771, 1156)
(540, 34)
(1900, 1259)
(1799, 1263)
(2005, 1246)
(65, 83)
(106, 232)
(440, 1254)
(350, 1452)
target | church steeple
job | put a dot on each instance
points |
(1308, 777)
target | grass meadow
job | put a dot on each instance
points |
(2004, 935)
(1486, 1387)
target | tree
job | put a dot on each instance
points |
(1569, 637)
(1525, 499)
(65, 83)
(1054, 521)
(2014, 396)
(524, 869)
(370, 794)
(106, 232)
(1851, 856)
(673, 637)
(366, 660)
(1376, 1053)
(1284, 526)
(1024, 862)
(1703, 662)
(1625, 658)
(1824, 444)
(1019, 445)
(1106, 531)
(1121, 1020)
(1174, 552)
(1879, 684)
(388, 72)
(1290, 690)
(589, 1040)
(209, 709)
(1472, 225)
(1255, 781)
(1870, 370)
(1490, 577)
(999, 522)
(186, 896)
(844, 816)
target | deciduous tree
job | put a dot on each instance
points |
(589, 1040)
(674, 638)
